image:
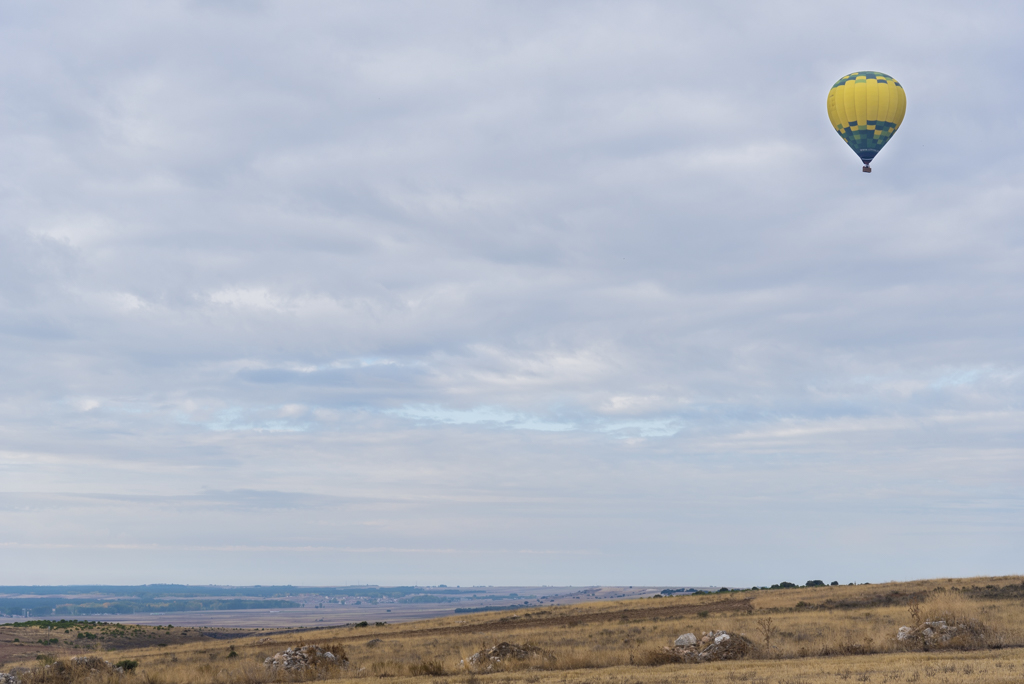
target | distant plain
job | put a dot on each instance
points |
(812, 634)
(316, 611)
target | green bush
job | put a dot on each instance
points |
(127, 665)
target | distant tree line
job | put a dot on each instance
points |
(723, 590)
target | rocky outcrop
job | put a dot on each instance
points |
(91, 663)
(8, 678)
(712, 646)
(687, 639)
(301, 657)
(502, 654)
(938, 633)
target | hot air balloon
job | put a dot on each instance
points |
(866, 108)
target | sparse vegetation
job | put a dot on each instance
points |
(825, 640)
(430, 668)
(766, 626)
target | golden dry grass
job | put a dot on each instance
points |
(824, 634)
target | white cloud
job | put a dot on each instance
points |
(601, 266)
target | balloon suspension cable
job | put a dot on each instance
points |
(866, 169)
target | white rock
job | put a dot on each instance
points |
(687, 639)
(721, 637)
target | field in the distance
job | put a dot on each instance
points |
(820, 634)
(282, 607)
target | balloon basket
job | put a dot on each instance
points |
(866, 169)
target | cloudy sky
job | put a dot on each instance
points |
(511, 292)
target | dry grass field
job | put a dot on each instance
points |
(27, 641)
(821, 634)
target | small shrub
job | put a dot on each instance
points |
(768, 632)
(68, 671)
(432, 668)
(127, 665)
(386, 668)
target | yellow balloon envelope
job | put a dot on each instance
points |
(866, 108)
